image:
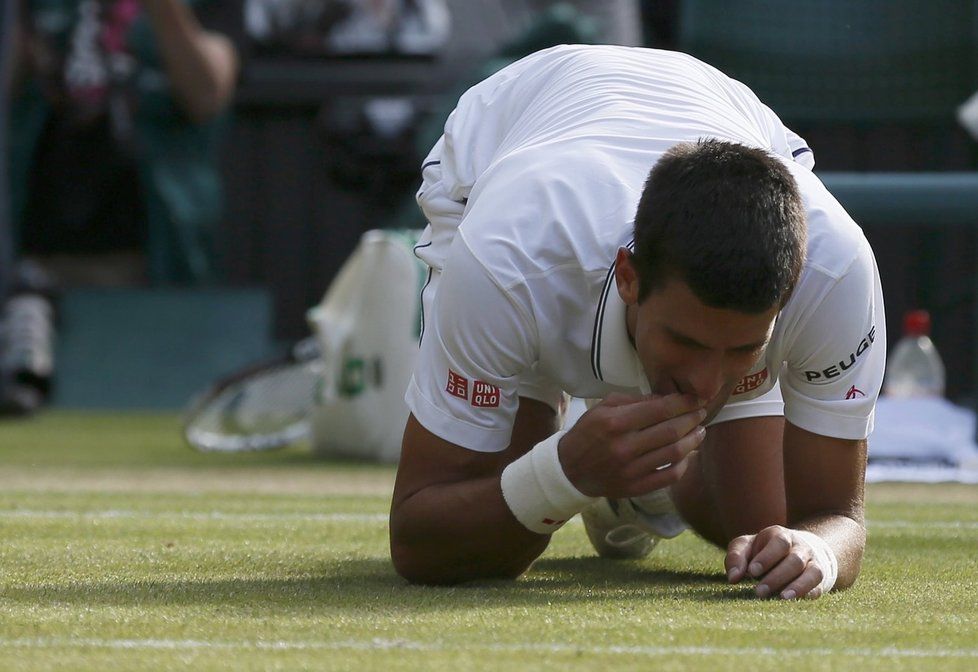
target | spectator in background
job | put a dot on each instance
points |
(348, 27)
(117, 105)
(25, 312)
(115, 111)
(7, 19)
(618, 21)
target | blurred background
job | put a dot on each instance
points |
(160, 227)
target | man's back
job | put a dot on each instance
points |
(569, 98)
(570, 133)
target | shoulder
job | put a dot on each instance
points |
(542, 208)
(835, 241)
(838, 299)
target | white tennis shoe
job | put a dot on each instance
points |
(630, 528)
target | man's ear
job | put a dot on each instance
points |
(625, 277)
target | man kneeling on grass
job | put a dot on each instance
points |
(723, 311)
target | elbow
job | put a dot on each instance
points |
(219, 78)
(201, 113)
(213, 90)
(413, 567)
(412, 561)
(434, 565)
(420, 568)
(206, 106)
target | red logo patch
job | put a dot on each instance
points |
(854, 393)
(458, 386)
(750, 382)
(485, 395)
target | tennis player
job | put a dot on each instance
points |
(633, 227)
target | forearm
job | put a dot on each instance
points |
(734, 483)
(460, 532)
(825, 494)
(200, 66)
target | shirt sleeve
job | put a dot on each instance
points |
(834, 365)
(799, 149)
(477, 342)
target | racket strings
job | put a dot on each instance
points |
(263, 410)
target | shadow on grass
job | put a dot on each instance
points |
(640, 578)
(364, 585)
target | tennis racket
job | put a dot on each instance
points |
(262, 407)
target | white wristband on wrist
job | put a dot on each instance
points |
(824, 556)
(537, 490)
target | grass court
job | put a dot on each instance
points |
(120, 548)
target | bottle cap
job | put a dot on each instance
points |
(916, 323)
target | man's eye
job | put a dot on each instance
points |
(687, 343)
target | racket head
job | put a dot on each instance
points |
(262, 407)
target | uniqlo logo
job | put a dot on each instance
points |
(485, 395)
(458, 386)
(751, 382)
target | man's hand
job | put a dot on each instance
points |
(628, 446)
(782, 559)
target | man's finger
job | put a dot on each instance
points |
(738, 553)
(670, 432)
(793, 565)
(652, 411)
(656, 457)
(619, 399)
(771, 547)
(806, 585)
(658, 479)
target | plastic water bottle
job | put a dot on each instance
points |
(915, 368)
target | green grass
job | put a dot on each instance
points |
(120, 548)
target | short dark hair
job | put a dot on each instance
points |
(727, 220)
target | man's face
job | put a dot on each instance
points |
(686, 346)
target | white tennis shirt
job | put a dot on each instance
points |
(529, 194)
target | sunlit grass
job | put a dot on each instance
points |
(123, 549)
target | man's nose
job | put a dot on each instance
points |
(707, 378)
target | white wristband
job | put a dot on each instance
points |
(537, 490)
(824, 558)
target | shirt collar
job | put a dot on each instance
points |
(613, 357)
